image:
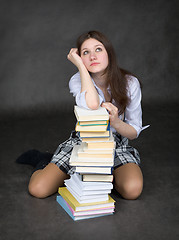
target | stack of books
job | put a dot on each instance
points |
(86, 194)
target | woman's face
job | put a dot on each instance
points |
(94, 56)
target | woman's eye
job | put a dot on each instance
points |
(98, 49)
(85, 52)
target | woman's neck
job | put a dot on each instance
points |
(100, 80)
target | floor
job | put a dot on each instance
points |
(153, 216)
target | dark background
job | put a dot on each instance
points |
(36, 36)
(36, 111)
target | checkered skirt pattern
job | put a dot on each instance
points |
(123, 153)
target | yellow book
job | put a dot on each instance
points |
(88, 161)
(94, 134)
(91, 128)
(95, 155)
(95, 140)
(97, 178)
(90, 123)
(68, 197)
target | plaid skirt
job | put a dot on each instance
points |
(123, 153)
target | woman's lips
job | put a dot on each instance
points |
(94, 64)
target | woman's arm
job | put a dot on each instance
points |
(87, 86)
(133, 113)
(121, 127)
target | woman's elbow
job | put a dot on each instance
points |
(93, 105)
(133, 135)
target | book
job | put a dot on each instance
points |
(68, 197)
(94, 139)
(87, 194)
(91, 164)
(83, 114)
(97, 178)
(96, 170)
(89, 161)
(84, 151)
(87, 150)
(70, 210)
(87, 198)
(95, 211)
(76, 179)
(91, 128)
(91, 123)
(101, 143)
(96, 134)
(96, 154)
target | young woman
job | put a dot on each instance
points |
(99, 82)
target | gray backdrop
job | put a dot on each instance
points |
(36, 35)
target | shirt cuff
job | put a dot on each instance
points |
(139, 129)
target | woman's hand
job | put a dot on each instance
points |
(74, 57)
(113, 113)
(121, 127)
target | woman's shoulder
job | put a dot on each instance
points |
(132, 81)
(133, 84)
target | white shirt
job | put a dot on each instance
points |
(133, 112)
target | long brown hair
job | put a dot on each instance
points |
(115, 75)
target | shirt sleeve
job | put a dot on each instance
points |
(75, 89)
(133, 113)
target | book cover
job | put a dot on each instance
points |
(83, 114)
(68, 197)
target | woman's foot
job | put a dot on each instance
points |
(33, 157)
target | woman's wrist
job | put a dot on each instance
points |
(116, 124)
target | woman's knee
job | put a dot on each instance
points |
(37, 189)
(131, 189)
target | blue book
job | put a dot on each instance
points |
(64, 205)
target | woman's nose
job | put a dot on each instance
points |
(93, 56)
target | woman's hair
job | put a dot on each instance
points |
(115, 75)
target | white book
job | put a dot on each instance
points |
(91, 200)
(81, 192)
(77, 180)
(92, 212)
(85, 197)
(83, 114)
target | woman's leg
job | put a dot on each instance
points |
(46, 182)
(128, 180)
